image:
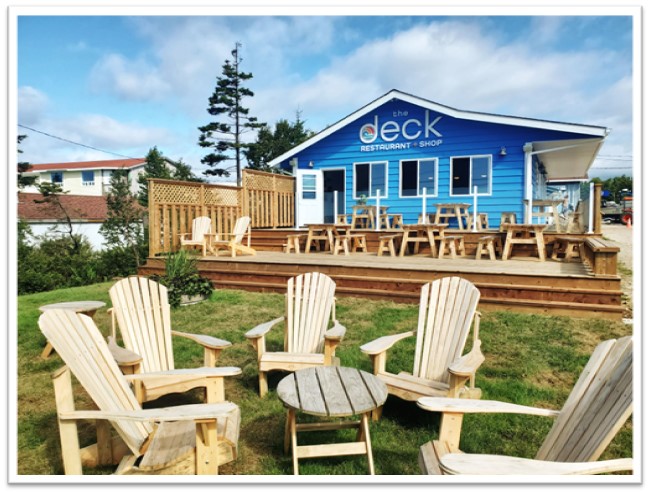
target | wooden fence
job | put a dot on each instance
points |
(266, 197)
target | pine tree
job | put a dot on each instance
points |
(225, 136)
(24, 166)
(156, 167)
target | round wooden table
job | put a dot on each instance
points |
(88, 307)
(333, 392)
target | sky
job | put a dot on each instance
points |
(117, 84)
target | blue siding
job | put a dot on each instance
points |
(459, 137)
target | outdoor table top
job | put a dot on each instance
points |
(83, 306)
(332, 391)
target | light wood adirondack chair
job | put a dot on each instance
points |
(186, 439)
(307, 341)
(596, 409)
(200, 235)
(142, 313)
(447, 309)
(233, 241)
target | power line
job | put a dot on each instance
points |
(75, 143)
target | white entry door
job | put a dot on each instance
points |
(309, 196)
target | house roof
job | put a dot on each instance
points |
(86, 208)
(88, 165)
(592, 130)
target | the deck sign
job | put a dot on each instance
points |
(411, 133)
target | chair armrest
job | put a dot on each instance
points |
(468, 364)
(204, 340)
(198, 373)
(336, 332)
(466, 405)
(475, 464)
(204, 411)
(121, 355)
(261, 329)
(382, 344)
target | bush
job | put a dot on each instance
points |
(182, 277)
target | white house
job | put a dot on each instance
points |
(86, 178)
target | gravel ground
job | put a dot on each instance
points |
(622, 236)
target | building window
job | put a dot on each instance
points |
(56, 177)
(309, 186)
(416, 175)
(88, 177)
(471, 171)
(370, 177)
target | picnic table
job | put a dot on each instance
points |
(457, 210)
(526, 234)
(415, 234)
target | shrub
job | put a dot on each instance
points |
(182, 277)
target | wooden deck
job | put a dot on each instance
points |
(525, 284)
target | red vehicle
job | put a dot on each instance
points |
(626, 214)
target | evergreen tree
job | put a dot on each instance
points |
(124, 225)
(155, 167)
(272, 143)
(224, 136)
(24, 166)
(51, 200)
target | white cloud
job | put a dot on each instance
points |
(129, 79)
(32, 104)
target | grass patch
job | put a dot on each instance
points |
(530, 359)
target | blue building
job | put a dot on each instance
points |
(400, 147)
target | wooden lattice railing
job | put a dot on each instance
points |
(266, 197)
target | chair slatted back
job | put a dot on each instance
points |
(200, 226)
(598, 406)
(141, 307)
(79, 343)
(309, 300)
(447, 308)
(240, 229)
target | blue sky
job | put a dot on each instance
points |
(127, 83)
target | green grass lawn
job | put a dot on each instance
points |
(530, 360)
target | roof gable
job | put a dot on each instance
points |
(595, 131)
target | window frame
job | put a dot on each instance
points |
(87, 183)
(355, 195)
(435, 177)
(304, 189)
(471, 174)
(52, 174)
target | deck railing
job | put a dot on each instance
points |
(266, 197)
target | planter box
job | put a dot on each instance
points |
(192, 299)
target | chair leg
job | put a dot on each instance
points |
(264, 385)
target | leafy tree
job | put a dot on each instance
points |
(123, 227)
(24, 166)
(272, 143)
(52, 193)
(224, 136)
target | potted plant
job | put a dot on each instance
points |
(363, 199)
(184, 283)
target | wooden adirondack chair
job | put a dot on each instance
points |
(597, 407)
(233, 241)
(307, 341)
(142, 313)
(187, 439)
(447, 309)
(200, 235)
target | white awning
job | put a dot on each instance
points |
(567, 160)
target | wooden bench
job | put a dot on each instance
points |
(481, 222)
(387, 244)
(293, 242)
(602, 255)
(491, 245)
(454, 244)
(571, 249)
